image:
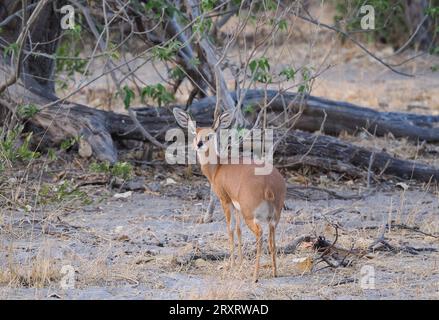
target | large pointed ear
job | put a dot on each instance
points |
(184, 120)
(223, 121)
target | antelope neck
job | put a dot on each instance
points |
(209, 169)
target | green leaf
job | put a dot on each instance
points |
(166, 53)
(122, 170)
(68, 143)
(432, 11)
(260, 70)
(202, 26)
(249, 109)
(12, 151)
(434, 50)
(11, 49)
(51, 154)
(27, 111)
(194, 62)
(159, 6)
(289, 73)
(208, 5)
(176, 73)
(128, 96)
(158, 93)
(283, 25)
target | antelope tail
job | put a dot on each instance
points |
(269, 195)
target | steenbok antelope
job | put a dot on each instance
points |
(256, 198)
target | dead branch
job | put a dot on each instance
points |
(292, 247)
(295, 190)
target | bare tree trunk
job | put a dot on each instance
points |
(37, 83)
(38, 70)
(418, 21)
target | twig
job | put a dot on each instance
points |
(405, 45)
(145, 133)
(332, 193)
(369, 169)
(356, 42)
(16, 14)
(292, 247)
(414, 229)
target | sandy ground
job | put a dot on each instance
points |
(140, 247)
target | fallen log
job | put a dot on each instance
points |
(340, 116)
(299, 143)
(329, 116)
(99, 128)
(296, 148)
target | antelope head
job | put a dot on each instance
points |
(205, 138)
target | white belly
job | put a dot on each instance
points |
(236, 205)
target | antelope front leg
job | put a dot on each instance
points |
(230, 231)
(238, 233)
(208, 215)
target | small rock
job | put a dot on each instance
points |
(170, 181)
(123, 238)
(383, 104)
(84, 149)
(154, 186)
(201, 263)
(12, 180)
(54, 295)
(124, 195)
(303, 264)
(402, 185)
(134, 184)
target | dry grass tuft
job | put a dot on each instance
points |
(41, 271)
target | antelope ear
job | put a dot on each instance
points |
(181, 116)
(184, 120)
(223, 121)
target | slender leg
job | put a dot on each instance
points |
(238, 233)
(272, 247)
(230, 231)
(208, 215)
(257, 230)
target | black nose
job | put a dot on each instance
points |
(200, 144)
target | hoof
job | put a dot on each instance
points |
(205, 219)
